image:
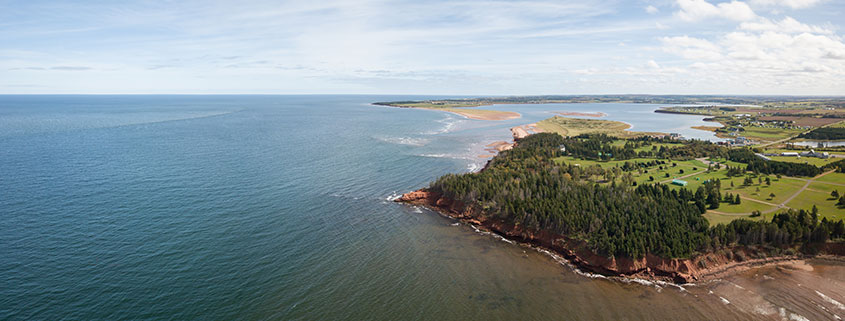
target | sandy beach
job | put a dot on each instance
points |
(483, 114)
(520, 132)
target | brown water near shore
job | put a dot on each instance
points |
(518, 280)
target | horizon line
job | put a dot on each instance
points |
(442, 95)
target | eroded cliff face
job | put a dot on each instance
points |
(701, 267)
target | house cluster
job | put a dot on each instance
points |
(738, 141)
(675, 136)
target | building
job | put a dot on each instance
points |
(763, 156)
(813, 153)
(679, 182)
(789, 154)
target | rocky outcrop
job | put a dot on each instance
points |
(702, 267)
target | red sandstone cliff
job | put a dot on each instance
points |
(701, 267)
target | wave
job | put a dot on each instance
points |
(830, 300)
(410, 141)
(473, 167)
(441, 155)
(393, 196)
(449, 124)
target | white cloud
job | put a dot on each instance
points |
(696, 10)
(787, 25)
(652, 9)
(794, 4)
(765, 55)
(692, 48)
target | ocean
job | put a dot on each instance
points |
(122, 207)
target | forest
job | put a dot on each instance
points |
(825, 133)
(525, 186)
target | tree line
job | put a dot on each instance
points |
(524, 186)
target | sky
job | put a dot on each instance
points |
(753, 47)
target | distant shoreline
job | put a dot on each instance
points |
(477, 114)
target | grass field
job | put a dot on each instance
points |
(689, 167)
(744, 207)
(838, 178)
(566, 126)
(725, 162)
(818, 194)
(805, 160)
(769, 134)
(716, 219)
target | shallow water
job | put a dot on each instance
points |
(276, 207)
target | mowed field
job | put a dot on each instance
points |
(803, 121)
(769, 134)
(805, 160)
(756, 196)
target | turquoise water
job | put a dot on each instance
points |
(276, 207)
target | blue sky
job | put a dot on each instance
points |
(423, 47)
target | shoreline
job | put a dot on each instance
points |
(701, 268)
(477, 114)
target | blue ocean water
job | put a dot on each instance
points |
(269, 207)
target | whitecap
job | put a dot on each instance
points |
(725, 301)
(393, 196)
(830, 300)
(449, 124)
(410, 141)
(473, 167)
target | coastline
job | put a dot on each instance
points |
(477, 114)
(700, 268)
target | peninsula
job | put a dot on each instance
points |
(648, 205)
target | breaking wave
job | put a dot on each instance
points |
(410, 141)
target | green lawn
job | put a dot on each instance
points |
(745, 206)
(782, 188)
(726, 162)
(821, 199)
(805, 160)
(838, 178)
(769, 134)
(716, 219)
(650, 147)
